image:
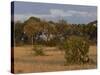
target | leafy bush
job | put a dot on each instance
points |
(52, 42)
(38, 50)
(76, 50)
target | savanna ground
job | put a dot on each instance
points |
(26, 61)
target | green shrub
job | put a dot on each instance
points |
(51, 43)
(76, 50)
(38, 50)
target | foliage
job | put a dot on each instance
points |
(38, 50)
(76, 50)
(18, 30)
(59, 30)
(88, 31)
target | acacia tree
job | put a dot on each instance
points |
(30, 28)
(61, 30)
(49, 29)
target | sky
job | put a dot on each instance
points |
(77, 14)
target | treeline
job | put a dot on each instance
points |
(37, 31)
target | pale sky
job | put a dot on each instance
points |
(71, 13)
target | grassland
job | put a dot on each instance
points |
(25, 61)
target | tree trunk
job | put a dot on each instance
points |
(32, 42)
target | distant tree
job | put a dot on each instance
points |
(31, 29)
(49, 30)
(51, 22)
(92, 32)
(60, 30)
(34, 19)
(88, 31)
(18, 30)
(61, 27)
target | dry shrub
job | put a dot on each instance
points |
(38, 50)
(76, 50)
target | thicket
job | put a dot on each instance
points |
(76, 50)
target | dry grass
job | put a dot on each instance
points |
(25, 61)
